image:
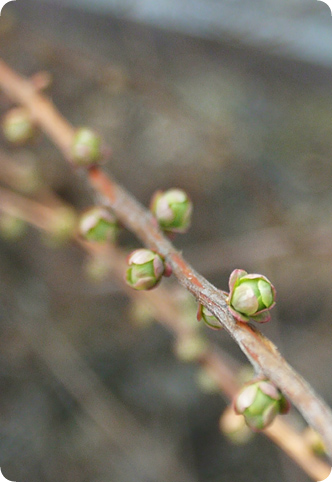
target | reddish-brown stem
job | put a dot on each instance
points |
(260, 351)
(166, 311)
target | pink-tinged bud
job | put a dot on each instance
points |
(250, 296)
(86, 148)
(209, 319)
(260, 402)
(172, 209)
(98, 224)
(17, 126)
(145, 270)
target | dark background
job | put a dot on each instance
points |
(247, 132)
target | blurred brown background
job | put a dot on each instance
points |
(247, 131)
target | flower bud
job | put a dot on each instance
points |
(86, 148)
(145, 269)
(17, 126)
(250, 296)
(172, 209)
(260, 402)
(98, 224)
(209, 319)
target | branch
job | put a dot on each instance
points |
(165, 310)
(259, 350)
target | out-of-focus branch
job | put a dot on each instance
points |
(260, 351)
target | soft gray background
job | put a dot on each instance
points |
(244, 124)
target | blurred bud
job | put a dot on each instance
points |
(172, 209)
(86, 148)
(250, 296)
(98, 224)
(141, 313)
(24, 174)
(314, 441)
(190, 349)
(260, 402)
(209, 319)
(145, 270)
(11, 227)
(234, 427)
(206, 381)
(96, 269)
(17, 126)
(63, 225)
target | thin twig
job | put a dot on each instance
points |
(259, 350)
(165, 310)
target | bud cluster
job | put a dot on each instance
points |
(250, 296)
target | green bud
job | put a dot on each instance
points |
(250, 296)
(145, 270)
(86, 148)
(98, 224)
(172, 209)
(17, 126)
(260, 402)
(209, 319)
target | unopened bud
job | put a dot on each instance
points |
(17, 126)
(250, 296)
(145, 270)
(86, 148)
(98, 224)
(260, 402)
(172, 209)
(209, 319)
